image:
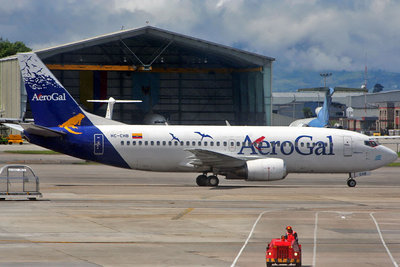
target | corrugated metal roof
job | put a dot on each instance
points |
(388, 96)
(160, 33)
(14, 57)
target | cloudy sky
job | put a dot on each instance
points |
(300, 34)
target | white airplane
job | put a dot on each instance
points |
(322, 119)
(252, 153)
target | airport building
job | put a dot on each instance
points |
(368, 113)
(185, 79)
(375, 112)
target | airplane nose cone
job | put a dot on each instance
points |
(390, 156)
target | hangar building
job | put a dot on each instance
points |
(185, 79)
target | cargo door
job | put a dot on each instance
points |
(347, 146)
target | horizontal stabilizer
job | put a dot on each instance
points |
(41, 130)
(14, 126)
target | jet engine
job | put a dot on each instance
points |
(261, 170)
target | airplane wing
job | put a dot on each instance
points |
(301, 122)
(202, 158)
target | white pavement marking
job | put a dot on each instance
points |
(315, 240)
(248, 238)
(383, 241)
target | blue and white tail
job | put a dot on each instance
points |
(50, 102)
(322, 119)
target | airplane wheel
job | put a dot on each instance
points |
(351, 182)
(212, 180)
(201, 180)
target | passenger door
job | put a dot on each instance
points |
(347, 146)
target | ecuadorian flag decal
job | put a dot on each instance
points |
(137, 136)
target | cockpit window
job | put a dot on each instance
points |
(371, 143)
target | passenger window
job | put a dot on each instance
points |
(164, 143)
(218, 143)
(134, 143)
(128, 143)
(187, 143)
(140, 143)
(170, 143)
(193, 143)
(146, 143)
(182, 143)
(176, 143)
(152, 143)
(237, 143)
(211, 143)
(232, 143)
(122, 143)
(205, 143)
(158, 143)
(225, 143)
(199, 143)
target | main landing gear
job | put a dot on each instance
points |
(203, 180)
(351, 182)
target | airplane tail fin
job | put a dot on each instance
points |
(322, 119)
(50, 102)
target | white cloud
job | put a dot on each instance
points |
(318, 34)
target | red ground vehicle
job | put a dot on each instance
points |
(281, 251)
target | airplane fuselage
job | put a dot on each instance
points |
(168, 148)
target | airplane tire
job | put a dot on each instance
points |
(201, 180)
(351, 182)
(212, 180)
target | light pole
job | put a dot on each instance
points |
(325, 75)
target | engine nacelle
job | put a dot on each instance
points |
(265, 169)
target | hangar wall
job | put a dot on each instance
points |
(12, 98)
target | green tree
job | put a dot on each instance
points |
(8, 49)
(307, 112)
(378, 88)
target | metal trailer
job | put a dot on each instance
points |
(18, 181)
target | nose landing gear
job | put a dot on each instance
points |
(203, 180)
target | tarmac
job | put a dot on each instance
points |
(96, 215)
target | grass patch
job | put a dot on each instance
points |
(31, 152)
(393, 164)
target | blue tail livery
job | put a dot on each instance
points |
(58, 116)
